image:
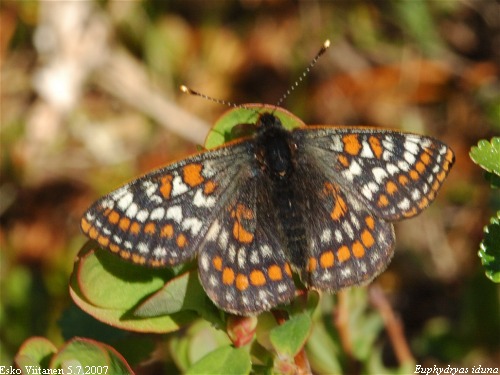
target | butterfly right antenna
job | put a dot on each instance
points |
(323, 49)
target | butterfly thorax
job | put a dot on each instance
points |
(274, 148)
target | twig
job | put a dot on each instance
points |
(392, 324)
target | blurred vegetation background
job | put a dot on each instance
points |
(90, 99)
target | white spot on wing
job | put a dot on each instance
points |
(143, 248)
(204, 262)
(125, 201)
(213, 231)
(157, 214)
(200, 200)
(379, 174)
(142, 215)
(175, 213)
(160, 252)
(404, 204)
(132, 211)
(192, 224)
(409, 157)
(178, 187)
(326, 235)
(366, 151)
(223, 238)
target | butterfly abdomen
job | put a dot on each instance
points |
(275, 153)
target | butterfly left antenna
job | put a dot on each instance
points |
(189, 91)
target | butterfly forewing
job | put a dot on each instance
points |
(395, 174)
(161, 218)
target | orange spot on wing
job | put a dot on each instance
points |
(192, 174)
(358, 250)
(327, 259)
(124, 223)
(411, 212)
(370, 222)
(343, 160)
(257, 278)
(383, 201)
(166, 186)
(435, 186)
(450, 156)
(367, 238)
(340, 206)
(241, 282)
(343, 254)
(114, 248)
(241, 234)
(93, 233)
(288, 270)
(125, 254)
(85, 225)
(156, 263)
(441, 176)
(135, 228)
(228, 276)
(274, 272)
(181, 240)
(403, 180)
(113, 217)
(420, 167)
(426, 158)
(150, 228)
(414, 175)
(209, 187)
(423, 203)
(312, 264)
(391, 187)
(138, 259)
(376, 146)
(351, 144)
(167, 231)
(103, 241)
(217, 262)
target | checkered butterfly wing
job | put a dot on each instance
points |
(360, 179)
(161, 218)
(242, 261)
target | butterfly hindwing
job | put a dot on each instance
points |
(243, 265)
(346, 243)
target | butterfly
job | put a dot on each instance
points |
(315, 201)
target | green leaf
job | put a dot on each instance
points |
(323, 352)
(291, 336)
(224, 129)
(109, 289)
(490, 249)
(487, 155)
(110, 282)
(225, 360)
(184, 292)
(35, 351)
(82, 355)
